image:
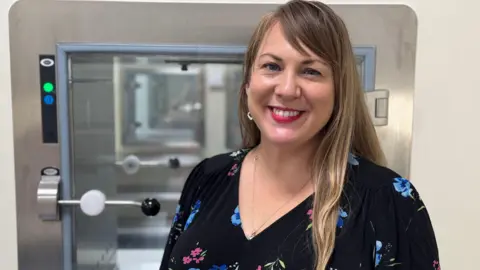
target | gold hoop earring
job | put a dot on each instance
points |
(249, 116)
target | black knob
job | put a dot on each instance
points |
(150, 207)
(174, 163)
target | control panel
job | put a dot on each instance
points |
(48, 97)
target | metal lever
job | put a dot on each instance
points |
(92, 203)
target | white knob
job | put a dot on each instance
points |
(92, 202)
(131, 164)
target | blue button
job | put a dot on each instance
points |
(48, 99)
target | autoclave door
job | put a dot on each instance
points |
(138, 124)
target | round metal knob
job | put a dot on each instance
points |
(131, 164)
(93, 203)
(150, 207)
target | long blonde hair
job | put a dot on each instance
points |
(349, 130)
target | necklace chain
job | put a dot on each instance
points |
(254, 232)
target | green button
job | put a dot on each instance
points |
(48, 87)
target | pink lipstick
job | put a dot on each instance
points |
(285, 115)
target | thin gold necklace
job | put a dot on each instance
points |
(255, 231)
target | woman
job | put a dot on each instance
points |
(308, 190)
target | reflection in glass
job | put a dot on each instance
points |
(167, 111)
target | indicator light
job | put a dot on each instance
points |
(48, 99)
(48, 87)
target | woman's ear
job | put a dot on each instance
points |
(247, 89)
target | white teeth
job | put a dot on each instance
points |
(283, 113)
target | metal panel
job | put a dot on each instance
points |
(36, 27)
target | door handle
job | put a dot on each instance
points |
(92, 203)
(132, 164)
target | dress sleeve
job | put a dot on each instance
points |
(186, 207)
(404, 236)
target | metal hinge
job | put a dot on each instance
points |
(377, 103)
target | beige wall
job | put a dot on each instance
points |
(446, 132)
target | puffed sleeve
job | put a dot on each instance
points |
(186, 206)
(404, 236)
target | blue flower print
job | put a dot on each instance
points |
(378, 256)
(341, 215)
(177, 214)
(217, 267)
(190, 219)
(403, 186)
(236, 217)
(193, 268)
(194, 211)
(196, 206)
(352, 159)
(384, 255)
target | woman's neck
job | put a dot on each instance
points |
(285, 163)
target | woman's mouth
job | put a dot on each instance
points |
(284, 115)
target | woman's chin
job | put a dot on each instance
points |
(283, 137)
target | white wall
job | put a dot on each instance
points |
(446, 128)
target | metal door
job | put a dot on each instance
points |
(110, 116)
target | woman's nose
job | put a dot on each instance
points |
(287, 86)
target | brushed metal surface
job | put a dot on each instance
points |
(47, 198)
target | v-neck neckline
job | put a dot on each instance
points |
(277, 222)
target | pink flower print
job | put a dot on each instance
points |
(196, 252)
(233, 170)
(309, 213)
(259, 267)
(436, 265)
(198, 260)
(187, 260)
(197, 255)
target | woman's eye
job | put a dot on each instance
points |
(312, 72)
(272, 67)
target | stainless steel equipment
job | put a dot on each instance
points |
(92, 202)
(108, 112)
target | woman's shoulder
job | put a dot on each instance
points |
(383, 193)
(221, 162)
(214, 169)
(391, 206)
(370, 175)
(382, 190)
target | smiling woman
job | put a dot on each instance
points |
(308, 190)
(290, 92)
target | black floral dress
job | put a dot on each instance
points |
(382, 224)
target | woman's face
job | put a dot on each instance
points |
(290, 95)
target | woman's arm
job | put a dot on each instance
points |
(405, 239)
(183, 211)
